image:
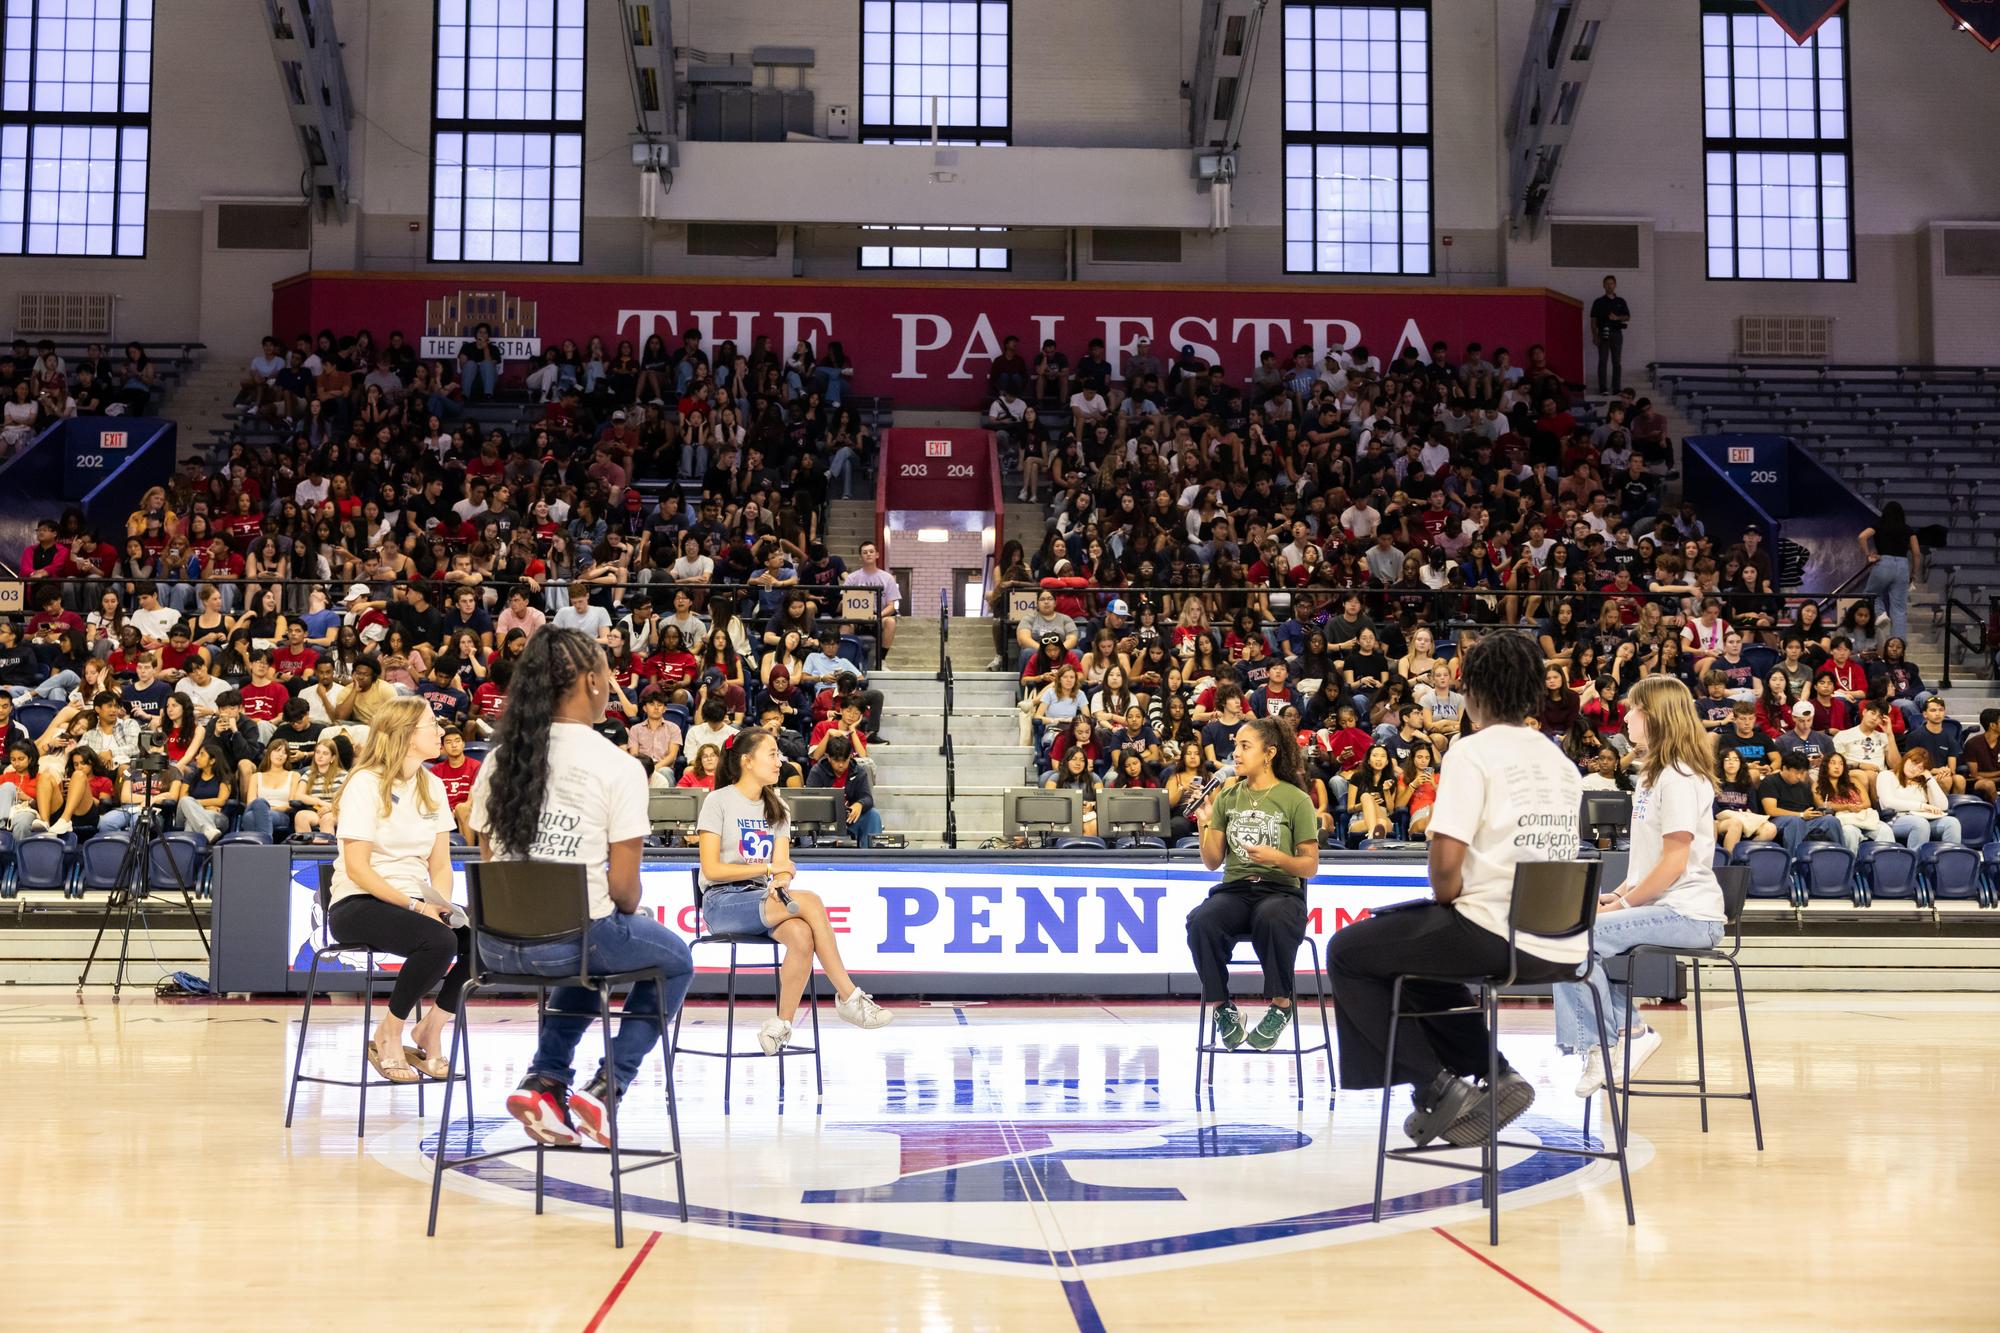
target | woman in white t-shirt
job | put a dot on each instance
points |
(1670, 894)
(392, 885)
(746, 877)
(553, 789)
(1504, 796)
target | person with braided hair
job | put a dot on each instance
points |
(553, 789)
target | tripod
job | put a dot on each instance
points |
(134, 883)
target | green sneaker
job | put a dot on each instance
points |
(1269, 1028)
(1229, 1025)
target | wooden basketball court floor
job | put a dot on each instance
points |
(1038, 1167)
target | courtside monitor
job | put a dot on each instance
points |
(1038, 812)
(814, 810)
(676, 810)
(1133, 812)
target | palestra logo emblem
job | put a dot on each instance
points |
(451, 319)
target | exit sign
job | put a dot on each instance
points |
(111, 439)
(937, 448)
(1742, 453)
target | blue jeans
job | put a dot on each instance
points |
(1916, 830)
(832, 385)
(259, 817)
(1889, 581)
(1576, 1021)
(1793, 830)
(617, 943)
(480, 378)
(842, 470)
(864, 829)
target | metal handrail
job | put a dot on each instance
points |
(1953, 634)
(945, 748)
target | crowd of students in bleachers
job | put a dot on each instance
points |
(351, 546)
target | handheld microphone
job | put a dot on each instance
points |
(1215, 781)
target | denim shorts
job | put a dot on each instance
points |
(734, 911)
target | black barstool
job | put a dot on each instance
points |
(547, 902)
(1735, 882)
(371, 976)
(729, 1055)
(1555, 899)
(1206, 1045)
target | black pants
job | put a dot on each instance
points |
(1271, 916)
(1361, 964)
(1611, 362)
(430, 949)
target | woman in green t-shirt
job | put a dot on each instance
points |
(1263, 834)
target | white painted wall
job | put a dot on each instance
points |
(1106, 74)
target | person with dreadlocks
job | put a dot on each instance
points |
(553, 789)
(1262, 832)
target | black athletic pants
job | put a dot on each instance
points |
(1362, 962)
(1271, 916)
(430, 949)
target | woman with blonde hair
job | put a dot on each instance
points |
(392, 884)
(1670, 895)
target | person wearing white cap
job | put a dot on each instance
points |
(1814, 745)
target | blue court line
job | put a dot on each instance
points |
(1082, 1307)
(963, 1021)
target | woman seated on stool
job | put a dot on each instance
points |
(1263, 834)
(1670, 895)
(553, 789)
(746, 876)
(392, 885)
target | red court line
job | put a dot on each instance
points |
(619, 1288)
(1538, 1294)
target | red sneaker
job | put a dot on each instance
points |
(541, 1104)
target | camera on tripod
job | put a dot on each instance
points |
(151, 758)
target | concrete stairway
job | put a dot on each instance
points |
(909, 770)
(201, 404)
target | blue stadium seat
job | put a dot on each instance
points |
(183, 851)
(1191, 840)
(1947, 870)
(1826, 870)
(1886, 870)
(1770, 867)
(1975, 818)
(99, 860)
(35, 715)
(1080, 841)
(1143, 840)
(42, 862)
(1989, 878)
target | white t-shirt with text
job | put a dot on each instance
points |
(402, 840)
(596, 796)
(1510, 795)
(1680, 802)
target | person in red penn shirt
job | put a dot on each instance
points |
(456, 772)
(51, 618)
(1850, 680)
(673, 667)
(293, 659)
(264, 698)
(489, 700)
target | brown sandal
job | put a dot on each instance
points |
(432, 1065)
(391, 1067)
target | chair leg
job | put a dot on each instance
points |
(305, 1022)
(1200, 1040)
(1489, 1153)
(1611, 1108)
(1700, 1048)
(611, 1118)
(777, 958)
(444, 1134)
(674, 1116)
(812, 1003)
(1388, 1091)
(1749, 1066)
(729, 1033)
(367, 1027)
(1325, 1028)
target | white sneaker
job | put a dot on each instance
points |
(1644, 1043)
(860, 1009)
(995, 665)
(1593, 1073)
(38, 826)
(60, 827)
(775, 1035)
